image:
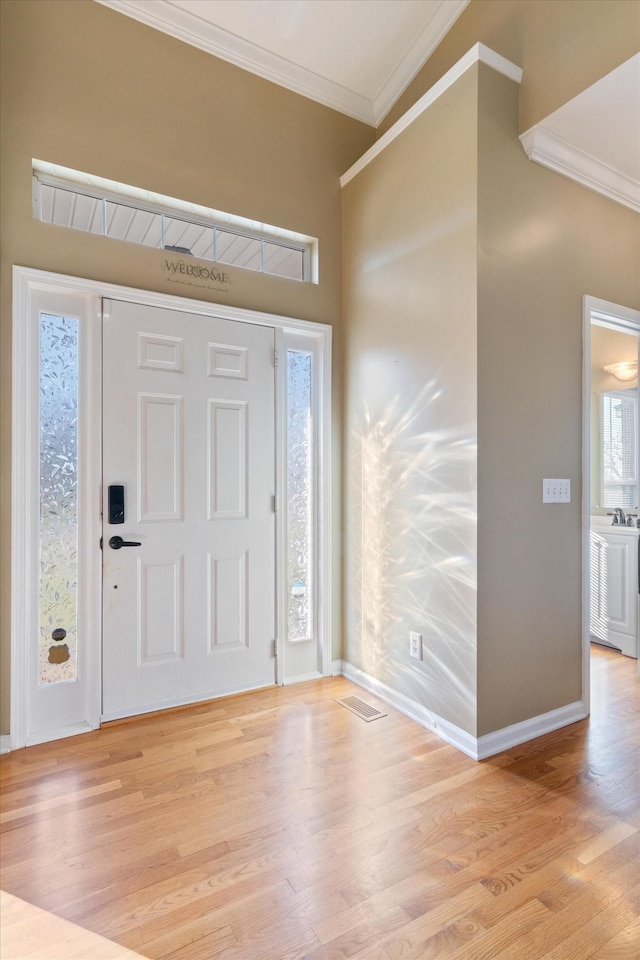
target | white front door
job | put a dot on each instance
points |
(188, 434)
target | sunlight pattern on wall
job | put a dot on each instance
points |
(58, 498)
(412, 544)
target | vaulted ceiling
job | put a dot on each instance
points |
(357, 56)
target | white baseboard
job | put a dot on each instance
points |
(336, 668)
(516, 733)
(426, 718)
(5, 743)
(478, 748)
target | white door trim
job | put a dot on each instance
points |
(593, 309)
(26, 283)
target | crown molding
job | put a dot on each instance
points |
(422, 48)
(226, 46)
(164, 16)
(477, 54)
(550, 150)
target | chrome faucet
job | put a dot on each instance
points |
(618, 516)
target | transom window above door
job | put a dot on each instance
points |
(69, 198)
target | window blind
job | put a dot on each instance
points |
(619, 425)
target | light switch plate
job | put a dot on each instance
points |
(556, 491)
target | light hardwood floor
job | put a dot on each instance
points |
(29, 933)
(279, 826)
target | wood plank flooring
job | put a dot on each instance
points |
(279, 826)
(29, 933)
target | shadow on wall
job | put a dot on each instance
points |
(412, 563)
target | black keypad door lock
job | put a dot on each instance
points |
(116, 503)
(117, 542)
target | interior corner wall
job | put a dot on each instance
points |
(409, 339)
(86, 87)
(544, 241)
(563, 46)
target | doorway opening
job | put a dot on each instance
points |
(611, 481)
(68, 435)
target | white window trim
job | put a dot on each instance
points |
(28, 284)
(298, 345)
(624, 394)
(101, 189)
(295, 339)
(29, 300)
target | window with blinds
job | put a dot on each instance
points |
(619, 435)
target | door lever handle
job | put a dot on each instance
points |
(116, 542)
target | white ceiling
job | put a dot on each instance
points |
(595, 138)
(356, 56)
(592, 120)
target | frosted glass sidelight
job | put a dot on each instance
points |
(58, 530)
(300, 494)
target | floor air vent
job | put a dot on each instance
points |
(363, 710)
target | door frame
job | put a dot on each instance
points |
(624, 318)
(29, 284)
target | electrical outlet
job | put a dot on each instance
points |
(415, 645)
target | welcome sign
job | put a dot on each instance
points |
(196, 275)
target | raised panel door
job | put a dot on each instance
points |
(189, 611)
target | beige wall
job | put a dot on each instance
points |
(90, 89)
(563, 47)
(543, 242)
(533, 244)
(409, 240)
(87, 88)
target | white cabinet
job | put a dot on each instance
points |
(614, 587)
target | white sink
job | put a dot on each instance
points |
(603, 524)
